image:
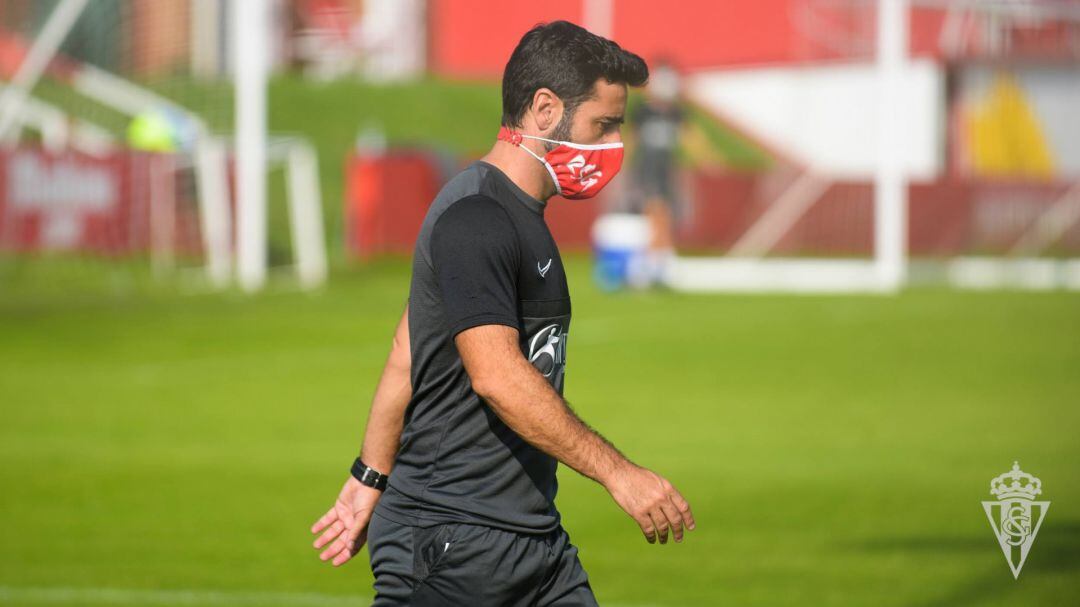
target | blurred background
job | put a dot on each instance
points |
(831, 295)
(768, 119)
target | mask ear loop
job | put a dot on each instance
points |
(514, 138)
(577, 146)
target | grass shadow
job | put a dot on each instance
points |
(1056, 551)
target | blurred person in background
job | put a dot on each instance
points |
(657, 123)
(455, 486)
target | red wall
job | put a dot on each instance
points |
(701, 33)
(474, 38)
(468, 38)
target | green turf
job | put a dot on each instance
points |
(835, 449)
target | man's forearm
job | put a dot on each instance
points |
(383, 431)
(392, 395)
(528, 404)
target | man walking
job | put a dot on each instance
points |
(454, 489)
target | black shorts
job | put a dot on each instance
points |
(461, 564)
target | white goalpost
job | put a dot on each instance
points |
(890, 185)
(15, 94)
(250, 22)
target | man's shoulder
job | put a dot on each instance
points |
(464, 203)
(464, 186)
(466, 183)
(474, 220)
(474, 210)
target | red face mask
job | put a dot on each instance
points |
(578, 170)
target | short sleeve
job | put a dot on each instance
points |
(475, 256)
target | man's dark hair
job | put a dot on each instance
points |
(568, 59)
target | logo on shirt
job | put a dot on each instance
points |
(544, 270)
(547, 350)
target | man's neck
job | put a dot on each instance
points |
(521, 168)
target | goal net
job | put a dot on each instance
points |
(119, 156)
(917, 142)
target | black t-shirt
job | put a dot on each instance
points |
(484, 256)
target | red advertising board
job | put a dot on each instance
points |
(106, 205)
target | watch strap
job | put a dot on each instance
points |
(369, 476)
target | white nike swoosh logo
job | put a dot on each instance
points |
(544, 269)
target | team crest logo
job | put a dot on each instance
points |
(586, 174)
(1015, 516)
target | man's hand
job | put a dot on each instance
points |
(651, 501)
(527, 403)
(346, 523)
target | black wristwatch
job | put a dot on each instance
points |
(368, 475)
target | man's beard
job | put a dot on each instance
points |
(562, 130)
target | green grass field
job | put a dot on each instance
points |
(173, 450)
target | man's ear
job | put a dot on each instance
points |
(547, 109)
